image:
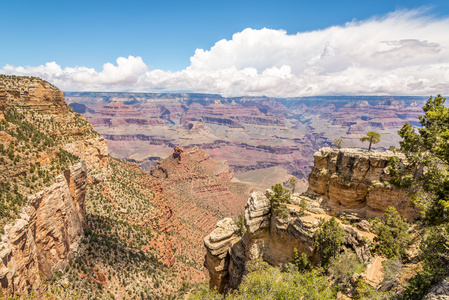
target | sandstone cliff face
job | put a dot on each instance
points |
(2, 103)
(34, 94)
(93, 151)
(47, 234)
(353, 181)
(269, 237)
(218, 243)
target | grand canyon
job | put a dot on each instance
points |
(224, 150)
(250, 133)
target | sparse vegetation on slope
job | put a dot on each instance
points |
(31, 141)
(129, 251)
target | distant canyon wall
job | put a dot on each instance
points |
(249, 132)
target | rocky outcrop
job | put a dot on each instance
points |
(440, 291)
(34, 94)
(2, 103)
(218, 243)
(48, 233)
(348, 182)
(93, 151)
(200, 185)
(354, 181)
(270, 237)
(45, 235)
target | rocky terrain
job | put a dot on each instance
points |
(351, 184)
(79, 224)
(201, 189)
(146, 230)
(355, 183)
(42, 186)
(251, 133)
(47, 234)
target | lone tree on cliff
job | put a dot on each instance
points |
(292, 182)
(372, 137)
(338, 143)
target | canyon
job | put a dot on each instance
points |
(76, 222)
(71, 213)
(251, 133)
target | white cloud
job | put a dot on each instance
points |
(405, 52)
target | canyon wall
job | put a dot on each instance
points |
(269, 237)
(43, 179)
(348, 183)
(356, 182)
(2, 103)
(201, 190)
(48, 233)
(251, 133)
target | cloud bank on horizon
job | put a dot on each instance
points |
(402, 53)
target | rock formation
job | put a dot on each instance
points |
(218, 243)
(34, 94)
(270, 237)
(45, 235)
(48, 233)
(93, 151)
(349, 182)
(440, 291)
(2, 103)
(201, 189)
(250, 133)
(355, 182)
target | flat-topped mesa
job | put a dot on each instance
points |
(356, 182)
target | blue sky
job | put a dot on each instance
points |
(164, 35)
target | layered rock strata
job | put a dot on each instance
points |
(356, 182)
(2, 103)
(347, 183)
(270, 237)
(218, 243)
(34, 94)
(48, 233)
(45, 235)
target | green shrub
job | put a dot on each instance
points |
(301, 262)
(329, 239)
(270, 283)
(344, 266)
(241, 225)
(278, 200)
(280, 195)
(392, 238)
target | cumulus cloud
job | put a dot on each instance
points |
(405, 52)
